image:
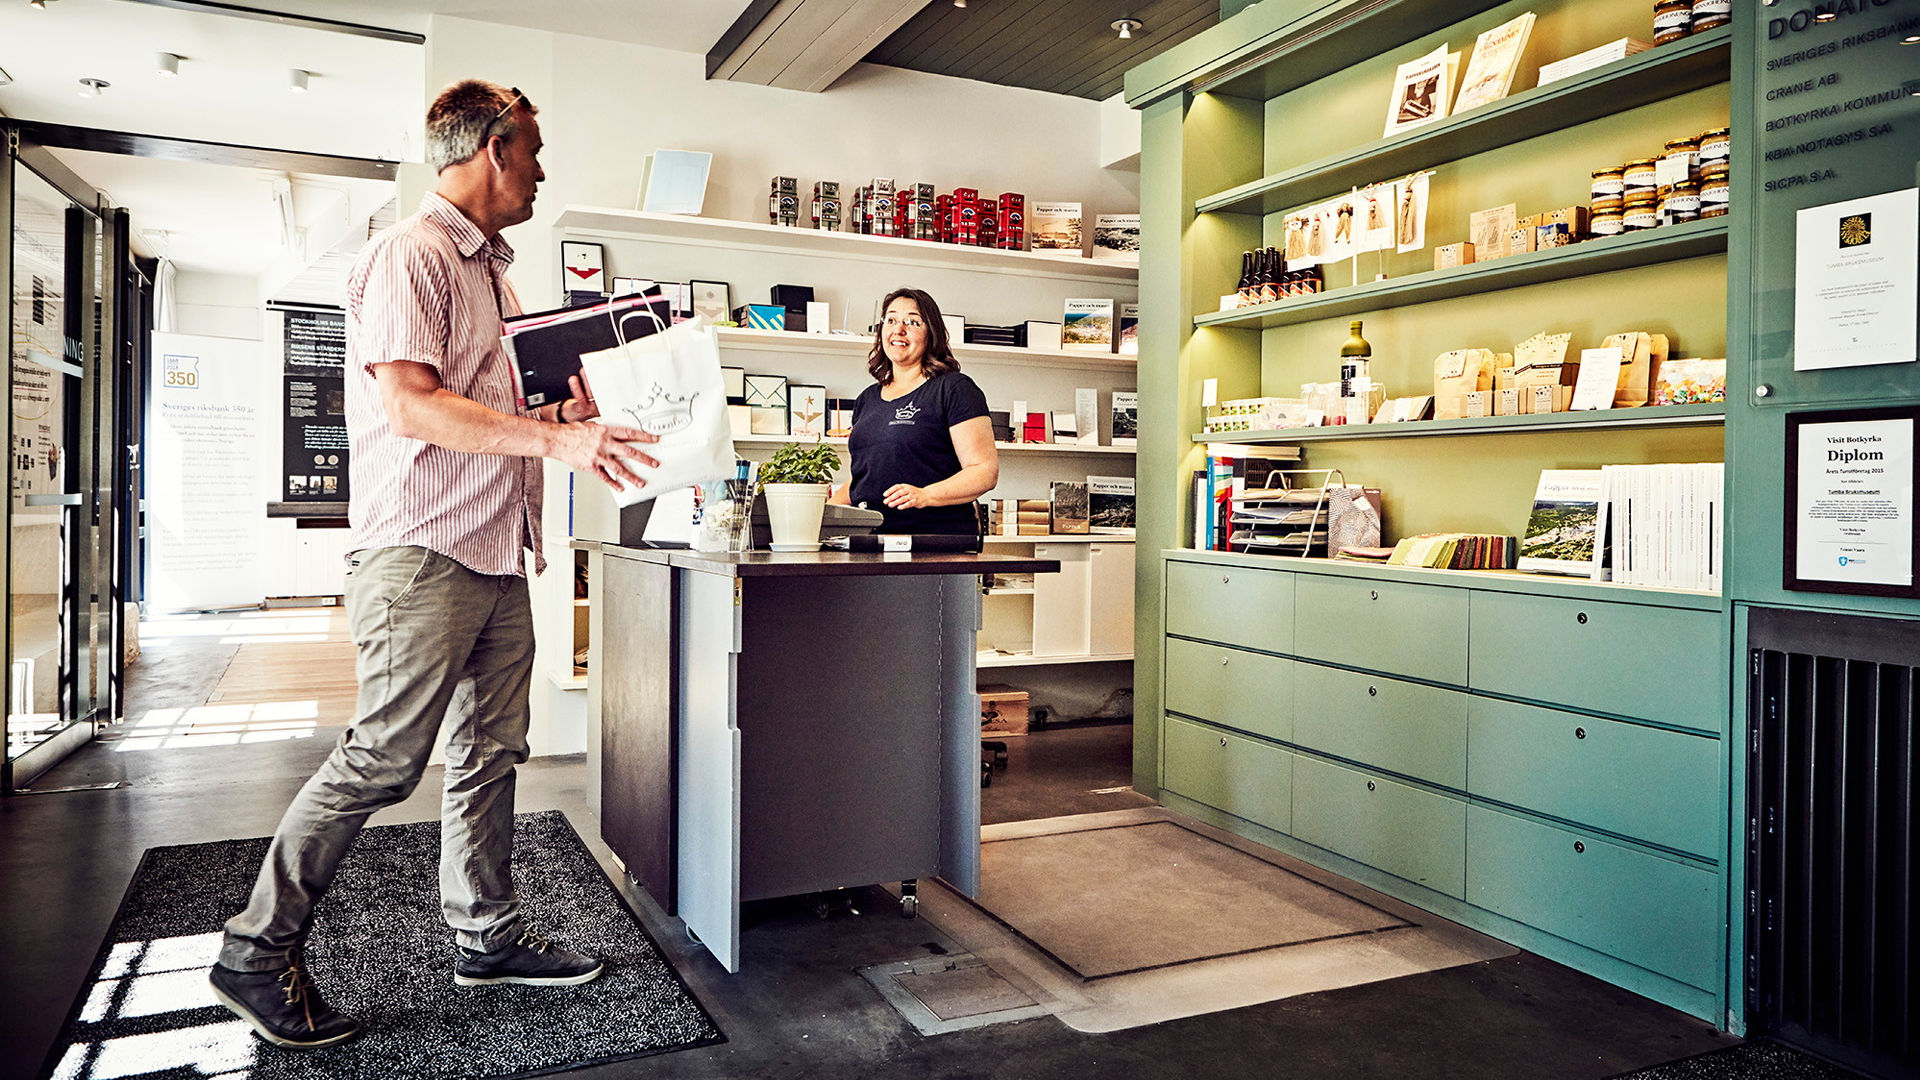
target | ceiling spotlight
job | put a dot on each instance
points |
(92, 87)
(167, 64)
(297, 81)
(1910, 39)
(1126, 27)
(37, 5)
(959, 3)
(1825, 15)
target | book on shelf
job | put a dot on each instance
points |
(1664, 524)
(1069, 506)
(1455, 551)
(1116, 238)
(1562, 535)
(1088, 326)
(1592, 58)
(1110, 502)
(1496, 58)
(1126, 418)
(1053, 228)
(1086, 415)
(1129, 343)
(1422, 91)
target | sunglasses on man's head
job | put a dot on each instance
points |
(516, 99)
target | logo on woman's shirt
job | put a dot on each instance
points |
(904, 414)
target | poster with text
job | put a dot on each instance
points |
(313, 438)
(1853, 526)
(204, 506)
(1856, 266)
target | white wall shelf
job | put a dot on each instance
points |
(857, 345)
(737, 235)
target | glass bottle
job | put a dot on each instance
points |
(1354, 356)
(1245, 288)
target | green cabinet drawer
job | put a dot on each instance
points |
(1627, 659)
(1406, 831)
(1250, 691)
(1231, 604)
(1631, 904)
(1245, 778)
(1648, 783)
(1399, 726)
(1415, 631)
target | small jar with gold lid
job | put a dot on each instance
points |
(1715, 145)
(1606, 204)
(1642, 211)
(1687, 150)
(1708, 14)
(1638, 176)
(1608, 182)
(1680, 204)
(1672, 20)
(1716, 189)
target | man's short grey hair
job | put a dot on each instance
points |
(461, 120)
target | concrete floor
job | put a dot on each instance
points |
(797, 1009)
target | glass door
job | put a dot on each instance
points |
(60, 667)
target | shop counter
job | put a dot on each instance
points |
(775, 724)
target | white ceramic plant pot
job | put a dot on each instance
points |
(793, 515)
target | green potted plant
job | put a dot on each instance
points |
(797, 480)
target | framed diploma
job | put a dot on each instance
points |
(1850, 524)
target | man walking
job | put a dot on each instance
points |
(446, 481)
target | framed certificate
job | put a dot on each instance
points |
(1850, 524)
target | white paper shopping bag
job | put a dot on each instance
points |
(668, 384)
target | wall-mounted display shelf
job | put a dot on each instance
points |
(750, 235)
(1648, 416)
(1647, 77)
(1666, 244)
(857, 345)
(1016, 448)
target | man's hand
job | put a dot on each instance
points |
(600, 449)
(579, 404)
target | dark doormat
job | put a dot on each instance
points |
(380, 952)
(1762, 1059)
(1114, 900)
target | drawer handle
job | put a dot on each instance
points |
(1369, 785)
(1373, 594)
(1223, 741)
(1373, 691)
(1581, 618)
(1579, 733)
(1579, 847)
(1223, 660)
(1225, 580)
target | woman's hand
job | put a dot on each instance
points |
(907, 497)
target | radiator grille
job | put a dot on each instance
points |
(1832, 948)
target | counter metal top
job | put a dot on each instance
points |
(832, 563)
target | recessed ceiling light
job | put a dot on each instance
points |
(37, 5)
(1910, 39)
(167, 64)
(959, 3)
(297, 81)
(1126, 27)
(92, 87)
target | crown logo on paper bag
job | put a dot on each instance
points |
(661, 412)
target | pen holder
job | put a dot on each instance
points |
(738, 509)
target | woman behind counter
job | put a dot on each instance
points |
(922, 443)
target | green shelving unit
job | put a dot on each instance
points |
(1598, 419)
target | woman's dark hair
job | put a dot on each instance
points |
(939, 359)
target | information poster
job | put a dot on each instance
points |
(314, 432)
(1850, 492)
(204, 437)
(1856, 269)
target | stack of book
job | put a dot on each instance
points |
(1664, 523)
(1455, 551)
(1019, 517)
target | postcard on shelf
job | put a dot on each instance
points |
(1044, 336)
(1598, 379)
(1088, 326)
(807, 411)
(1129, 344)
(1086, 415)
(1422, 90)
(767, 397)
(1053, 228)
(1126, 418)
(712, 300)
(583, 267)
(1496, 58)
(1069, 508)
(675, 181)
(1563, 530)
(1110, 504)
(1066, 428)
(1116, 238)
(1491, 229)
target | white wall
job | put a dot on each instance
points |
(217, 305)
(605, 105)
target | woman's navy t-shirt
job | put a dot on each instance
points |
(906, 441)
